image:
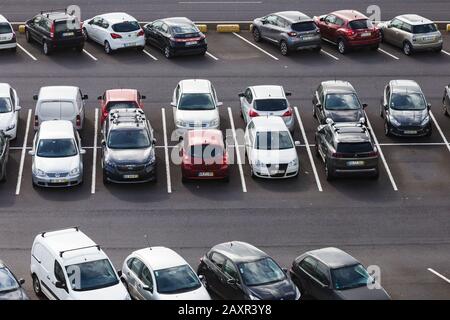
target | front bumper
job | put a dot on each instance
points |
(141, 175)
(411, 131)
(54, 182)
(283, 173)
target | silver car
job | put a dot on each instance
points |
(412, 33)
(290, 30)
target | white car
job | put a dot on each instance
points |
(270, 149)
(195, 105)
(9, 110)
(7, 35)
(159, 273)
(115, 31)
(67, 265)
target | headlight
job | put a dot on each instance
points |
(181, 123)
(75, 171)
(252, 297)
(425, 120)
(293, 163)
(214, 123)
(258, 164)
(394, 121)
(39, 173)
(11, 126)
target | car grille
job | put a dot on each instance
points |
(198, 125)
(130, 168)
(57, 174)
(414, 128)
(281, 166)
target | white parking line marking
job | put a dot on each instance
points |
(394, 185)
(166, 151)
(389, 54)
(330, 55)
(211, 56)
(90, 55)
(447, 53)
(308, 149)
(24, 50)
(439, 275)
(94, 158)
(238, 154)
(440, 131)
(253, 45)
(220, 2)
(150, 55)
(24, 152)
(413, 144)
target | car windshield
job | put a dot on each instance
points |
(196, 101)
(342, 101)
(304, 26)
(354, 147)
(121, 105)
(184, 29)
(424, 28)
(67, 25)
(408, 101)
(56, 148)
(128, 139)
(270, 104)
(261, 272)
(176, 280)
(127, 26)
(5, 28)
(91, 275)
(5, 105)
(360, 24)
(350, 277)
(273, 140)
(7, 281)
(205, 151)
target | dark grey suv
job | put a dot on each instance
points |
(289, 30)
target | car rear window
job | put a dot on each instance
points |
(270, 104)
(184, 29)
(5, 28)
(121, 105)
(56, 109)
(304, 26)
(67, 25)
(424, 28)
(205, 151)
(359, 147)
(127, 26)
(360, 24)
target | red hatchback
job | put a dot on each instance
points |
(348, 29)
(120, 99)
(203, 155)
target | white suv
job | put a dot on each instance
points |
(67, 265)
(7, 35)
(9, 110)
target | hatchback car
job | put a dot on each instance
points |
(348, 29)
(57, 155)
(332, 274)
(9, 110)
(176, 36)
(54, 30)
(345, 149)
(159, 273)
(405, 109)
(412, 33)
(10, 286)
(270, 149)
(239, 271)
(446, 101)
(266, 101)
(119, 99)
(4, 155)
(115, 31)
(289, 30)
(8, 38)
(338, 101)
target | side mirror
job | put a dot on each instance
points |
(319, 106)
(103, 143)
(241, 95)
(18, 108)
(99, 98)
(288, 94)
(148, 288)
(119, 273)
(329, 121)
(263, 21)
(201, 277)
(60, 285)
(31, 153)
(82, 151)
(154, 141)
(385, 106)
(21, 281)
(232, 282)
(219, 104)
(35, 97)
(362, 120)
(173, 104)
(322, 19)
(364, 105)
(143, 97)
(85, 97)
(297, 143)
(429, 106)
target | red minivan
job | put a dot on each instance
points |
(119, 99)
(204, 156)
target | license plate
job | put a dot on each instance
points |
(410, 132)
(206, 174)
(366, 34)
(307, 38)
(59, 180)
(191, 43)
(68, 34)
(428, 38)
(274, 172)
(355, 163)
(133, 44)
(3, 38)
(131, 176)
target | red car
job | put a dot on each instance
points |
(119, 99)
(203, 155)
(348, 29)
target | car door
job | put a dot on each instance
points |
(385, 101)
(232, 286)
(15, 103)
(393, 34)
(303, 272)
(246, 102)
(153, 33)
(33, 27)
(45, 270)
(321, 286)
(325, 26)
(59, 276)
(103, 31)
(135, 267)
(44, 29)
(145, 286)
(317, 102)
(214, 273)
(92, 28)
(268, 26)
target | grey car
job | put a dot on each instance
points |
(10, 286)
(412, 33)
(289, 30)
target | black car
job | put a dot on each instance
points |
(239, 271)
(338, 101)
(128, 147)
(405, 110)
(446, 101)
(176, 36)
(346, 148)
(10, 286)
(54, 30)
(4, 155)
(332, 274)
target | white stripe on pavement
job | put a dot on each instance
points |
(89, 55)
(94, 157)
(24, 152)
(150, 55)
(253, 45)
(24, 50)
(211, 56)
(238, 154)
(439, 275)
(166, 151)
(440, 131)
(330, 55)
(447, 53)
(389, 54)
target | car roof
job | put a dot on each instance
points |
(174, 21)
(238, 251)
(294, 16)
(333, 257)
(208, 136)
(56, 129)
(4, 90)
(121, 95)
(337, 86)
(3, 19)
(269, 123)
(195, 86)
(268, 92)
(58, 93)
(349, 15)
(350, 132)
(115, 17)
(414, 19)
(404, 86)
(159, 258)
(57, 15)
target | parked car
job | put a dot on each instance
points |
(270, 149)
(8, 38)
(128, 147)
(159, 273)
(204, 155)
(239, 271)
(346, 149)
(9, 110)
(4, 155)
(332, 274)
(266, 101)
(115, 31)
(348, 29)
(412, 33)
(120, 99)
(67, 265)
(338, 101)
(405, 109)
(60, 103)
(10, 286)
(54, 30)
(446, 101)
(289, 30)
(57, 155)
(176, 36)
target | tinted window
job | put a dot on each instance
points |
(330, 19)
(342, 101)
(424, 28)
(183, 29)
(146, 277)
(92, 275)
(362, 147)
(218, 259)
(7, 281)
(176, 280)
(128, 139)
(59, 273)
(273, 140)
(309, 265)
(127, 26)
(322, 273)
(231, 270)
(56, 148)
(205, 151)
(196, 101)
(303, 26)
(270, 104)
(5, 28)
(360, 24)
(68, 25)
(410, 101)
(350, 277)
(121, 105)
(261, 272)
(5, 105)
(136, 266)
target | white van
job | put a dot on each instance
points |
(7, 35)
(67, 265)
(60, 103)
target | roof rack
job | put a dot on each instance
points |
(81, 248)
(127, 115)
(77, 228)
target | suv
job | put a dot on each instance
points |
(412, 32)
(128, 147)
(55, 30)
(346, 148)
(7, 35)
(290, 30)
(67, 265)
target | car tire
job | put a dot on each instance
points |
(167, 53)
(46, 49)
(107, 48)
(328, 172)
(381, 112)
(429, 133)
(14, 49)
(284, 48)
(381, 36)
(37, 287)
(407, 48)
(342, 46)
(387, 129)
(85, 35)
(27, 36)
(140, 48)
(3, 178)
(376, 175)
(317, 150)
(256, 34)
(184, 180)
(203, 52)
(252, 174)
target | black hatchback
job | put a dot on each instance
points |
(176, 36)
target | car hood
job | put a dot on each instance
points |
(116, 292)
(344, 115)
(274, 156)
(197, 115)
(57, 164)
(6, 119)
(282, 290)
(18, 294)
(198, 294)
(409, 117)
(128, 156)
(363, 293)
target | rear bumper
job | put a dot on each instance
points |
(179, 51)
(427, 46)
(364, 43)
(194, 174)
(342, 166)
(298, 44)
(69, 43)
(120, 45)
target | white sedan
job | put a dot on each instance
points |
(9, 110)
(115, 31)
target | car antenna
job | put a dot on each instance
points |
(148, 243)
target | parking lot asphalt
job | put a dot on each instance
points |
(400, 222)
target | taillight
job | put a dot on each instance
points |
(350, 32)
(373, 154)
(52, 30)
(78, 121)
(141, 33)
(116, 36)
(288, 113)
(36, 121)
(292, 34)
(252, 113)
(337, 155)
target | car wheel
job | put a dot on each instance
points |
(256, 35)
(203, 281)
(376, 175)
(317, 150)
(445, 109)
(284, 49)
(328, 172)
(429, 132)
(407, 48)
(342, 47)
(203, 52)
(37, 286)
(85, 35)
(27, 36)
(105, 178)
(317, 49)
(381, 36)
(226, 179)
(438, 50)
(107, 48)
(167, 53)
(387, 129)
(252, 174)
(46, 48)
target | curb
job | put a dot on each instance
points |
(202, 27)
(448, 27)
(228, 28)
